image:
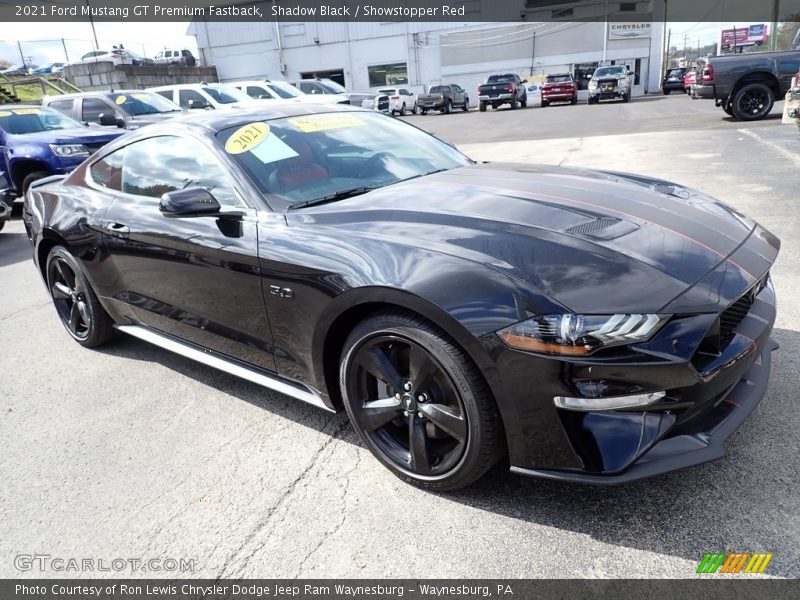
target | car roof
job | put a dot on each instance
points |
(16, 106)
(558, 74)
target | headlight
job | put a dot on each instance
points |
(65, 150)
(592, 85)
(579, 335)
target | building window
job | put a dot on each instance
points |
(627, 7)
(393, 74)
(561, 13)
(583, 73)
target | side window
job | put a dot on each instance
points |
(166, 94)
(107, 172)
(257, 92)
(185, 95)
(92, 108)
(64, 106)
(158, 165)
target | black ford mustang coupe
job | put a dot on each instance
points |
(593, 327)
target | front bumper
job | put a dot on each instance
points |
(687, 450)
(708, 394)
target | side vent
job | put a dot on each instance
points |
(603, 228)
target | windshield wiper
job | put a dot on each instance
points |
(349, 193)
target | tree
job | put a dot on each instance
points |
(5, 64)
(787, 32)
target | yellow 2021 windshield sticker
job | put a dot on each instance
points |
(313, 123)
(246, 138)
(121, 99)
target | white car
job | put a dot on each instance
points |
(281, 90)
(204, 95)
(401, 99)
(118, 56)
(534, 94)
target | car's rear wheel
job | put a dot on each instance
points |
(449, 108)
(75, 301)
(418, 402)
(465, 108)
(514, 103)
(545, 103)
(752, 102)
(482, 107)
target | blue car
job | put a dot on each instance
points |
(57, 67)
(36, 142)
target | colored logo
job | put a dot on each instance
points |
(735, 562)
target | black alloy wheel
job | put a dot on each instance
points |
(75, 301)
(753, 102)
(418, 403)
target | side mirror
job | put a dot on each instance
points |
(524, 81)
(109, 120)
(191, 202)
(198, 104)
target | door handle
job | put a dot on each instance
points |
(117, 229)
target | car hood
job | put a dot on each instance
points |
(634, 243)
(76, 135)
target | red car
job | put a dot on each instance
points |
(689, 80)
(559, 87)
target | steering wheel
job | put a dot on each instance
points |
(373, 161)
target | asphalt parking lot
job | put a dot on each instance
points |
(131, 451)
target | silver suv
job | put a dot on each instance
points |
(610, 83)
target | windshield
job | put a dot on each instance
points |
(332, 87)
(298, 159)
(225, 95)
(500, 79)
(610, 71)
(284, 90)
(388, 92)
(142, 103)
(19, 121)
(677, 72)
(437, 89)
(558, 78)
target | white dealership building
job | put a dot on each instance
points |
(561, 37)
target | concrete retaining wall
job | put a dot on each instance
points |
(105, 75)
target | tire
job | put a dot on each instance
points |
(423, 112)
(514, 103)
(573, 100)
(30, 178)
(482, 107)
(545, 103)
(414, 110)
(752, 102)
(465, 108)
(76, 303)
(403, 109)
(2, 224)
(726, 106)
(524, 102)
(626, 98)
(667, 92)
(449, 108)
(466, 430)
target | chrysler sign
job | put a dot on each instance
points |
(621, 31)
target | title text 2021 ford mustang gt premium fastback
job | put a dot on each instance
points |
(595, 327)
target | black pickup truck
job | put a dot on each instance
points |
(746, 85)
(504, 88)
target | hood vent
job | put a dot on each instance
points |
(603, 228)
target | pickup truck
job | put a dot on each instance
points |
(610, 83)
(746, 85)
(36, 142)
(443, 98)
(503, 88)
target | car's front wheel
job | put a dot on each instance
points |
(418, 402)
(75, 301)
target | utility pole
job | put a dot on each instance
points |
(66, 54)
(666, 54)
(533, 52)
(685, 36)
(773, 26)
(91, 21)
(21, 55)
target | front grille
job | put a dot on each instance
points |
(732, 316)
